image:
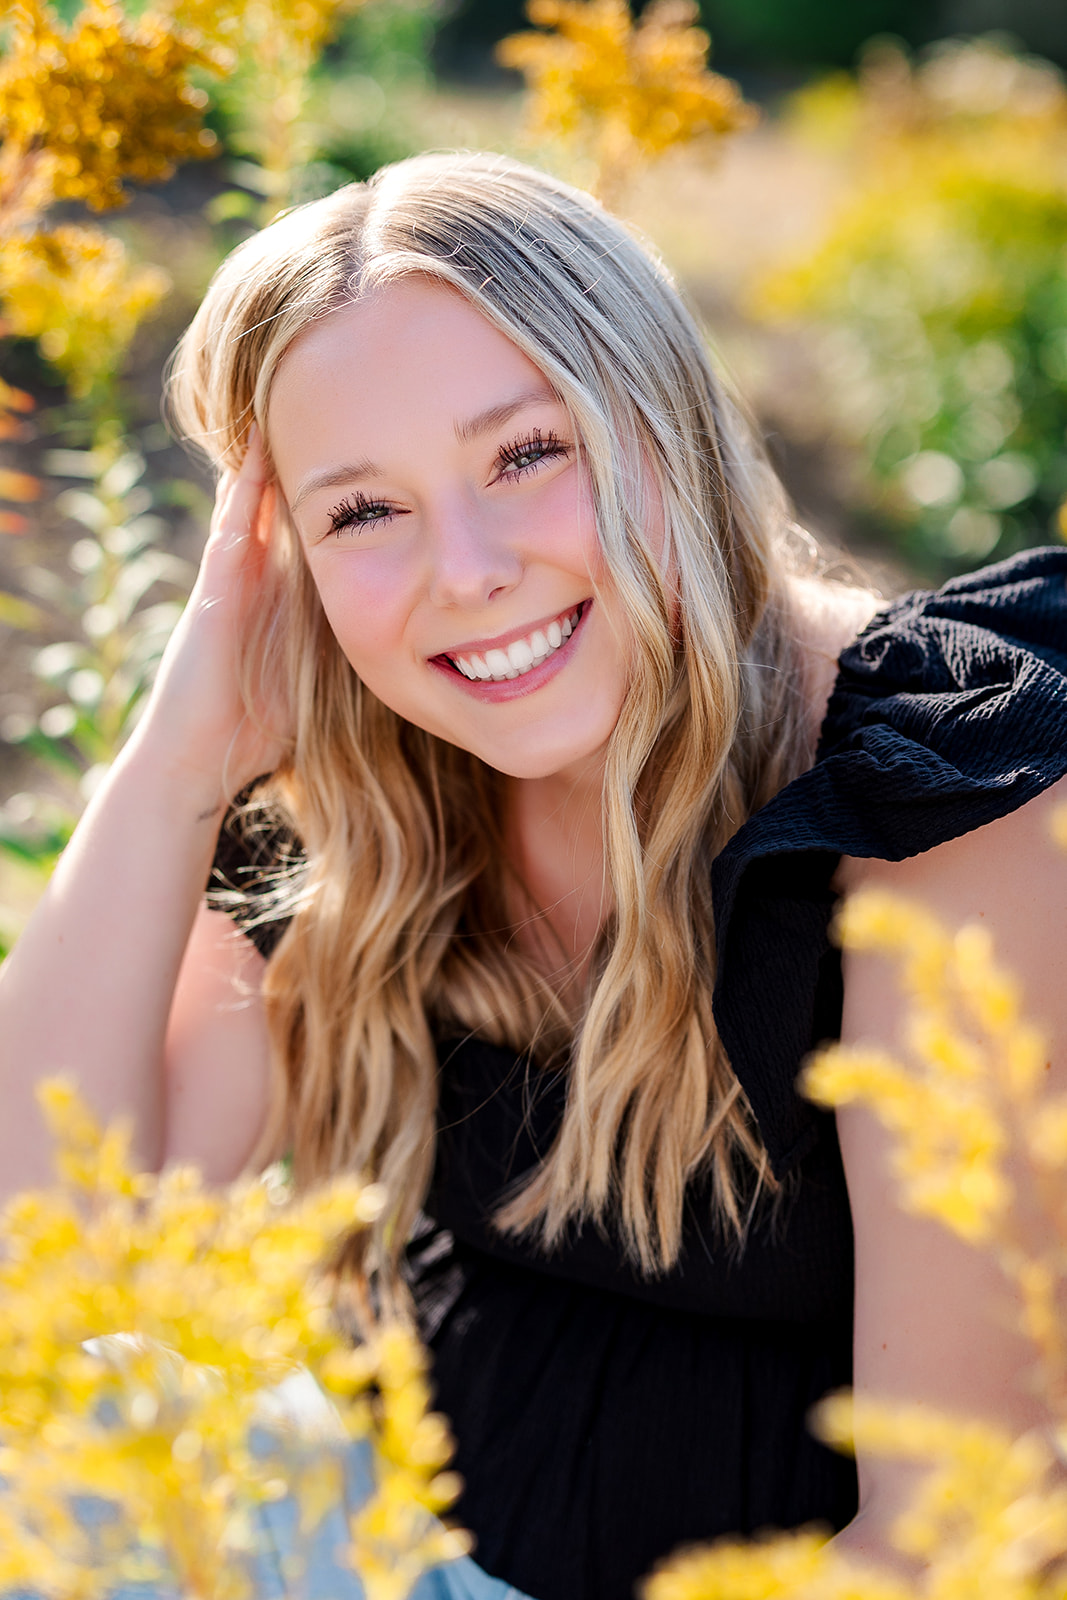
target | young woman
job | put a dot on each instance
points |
(563, 763)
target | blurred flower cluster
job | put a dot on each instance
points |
(84, 111)
(620, 92)
(54, 283)
(273, 46)
(942, 284)
(104, 102)
(980, 1145)
(173, 1366)
(112, 99)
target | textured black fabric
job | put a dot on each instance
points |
(949, 711)
(603, 1418)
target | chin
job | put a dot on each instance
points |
(573, 760)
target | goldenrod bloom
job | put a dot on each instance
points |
(624, 91)
(109, 100)
(144, 1323)
(75, 291)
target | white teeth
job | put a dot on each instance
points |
(520, 657)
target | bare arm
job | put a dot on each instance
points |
(88, 989)
(935, 1319)
(217, 1054)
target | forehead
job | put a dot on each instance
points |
(397, 332)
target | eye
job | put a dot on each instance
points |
(515, 460)
(356, 511)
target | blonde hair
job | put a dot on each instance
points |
(391, 937)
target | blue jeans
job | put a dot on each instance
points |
(327, 1578)
(330, 1580)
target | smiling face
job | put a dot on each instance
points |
(433, 477)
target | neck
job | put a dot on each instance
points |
(557, 840)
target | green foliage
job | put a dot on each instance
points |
(380, 54)
(942, 285)
(824, 32)
(299, 132)
(108, 622)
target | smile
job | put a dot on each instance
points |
(521, 656)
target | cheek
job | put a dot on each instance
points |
(363, 597)
(566, 531)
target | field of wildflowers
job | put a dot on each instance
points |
(932, 287)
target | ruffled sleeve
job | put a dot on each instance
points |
(949, 711)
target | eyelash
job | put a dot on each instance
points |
(350, 512)
(347, 513)
(547, 443)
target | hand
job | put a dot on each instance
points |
(197, 718)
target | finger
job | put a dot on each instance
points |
(239, 498)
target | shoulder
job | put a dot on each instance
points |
(1010, 876)
(943, 662)
(827, 615)
(946, 726)
(949, 709)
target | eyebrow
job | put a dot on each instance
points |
(333, 478)
(496, 416)
(466, 432)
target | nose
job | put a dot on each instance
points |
(471, 562)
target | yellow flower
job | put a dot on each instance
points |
(299, 25)
(109, 100)
(145, 1323)
(991, 1512)
(414, 1446)
(976, 1068)
(76, 292)
(625, 91)
(795, 1566)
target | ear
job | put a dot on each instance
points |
(266, 516)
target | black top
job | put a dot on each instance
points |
(603, 1418)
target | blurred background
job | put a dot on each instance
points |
(865, 200)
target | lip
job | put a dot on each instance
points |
(514, 688)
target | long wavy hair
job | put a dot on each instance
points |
(404, 879)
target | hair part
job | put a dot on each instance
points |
(405, 873)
